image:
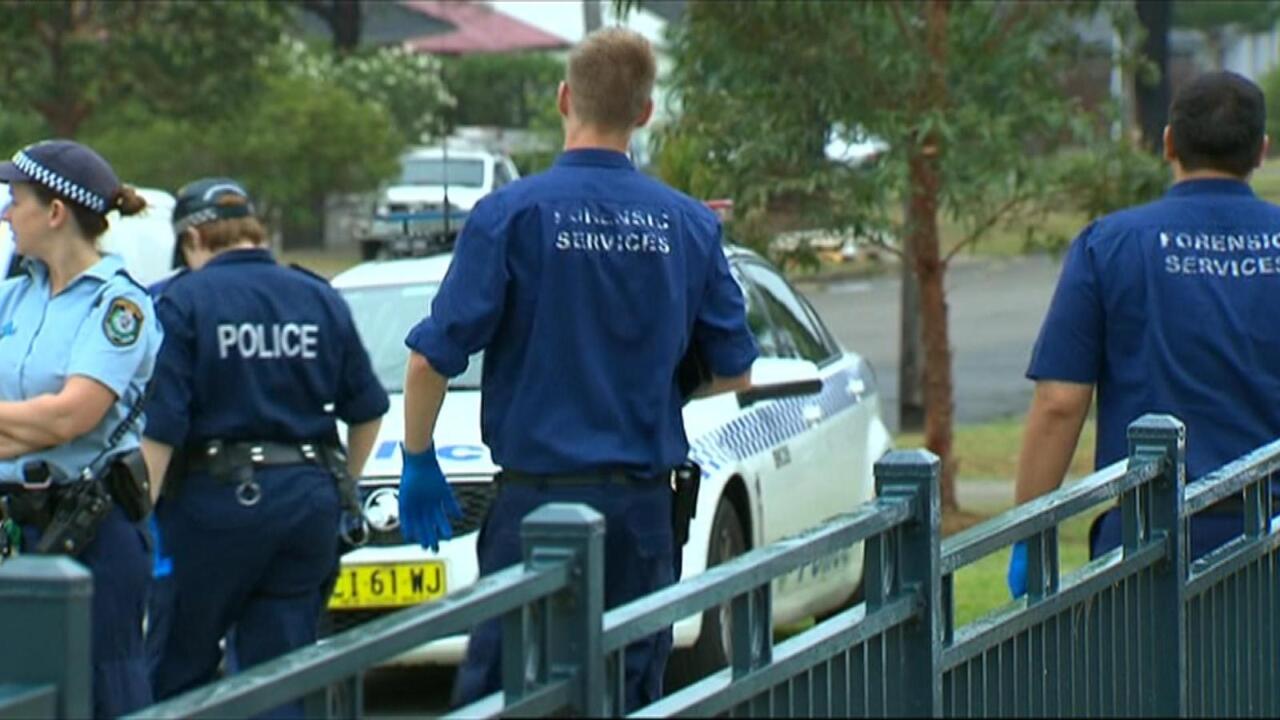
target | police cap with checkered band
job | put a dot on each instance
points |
(198, 202)
(69, 169)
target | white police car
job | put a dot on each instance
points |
(772, 467)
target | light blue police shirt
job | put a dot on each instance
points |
(101, 326)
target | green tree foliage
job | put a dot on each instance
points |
(1217, 19)
(409, 86)
(968, 97)
(1246, 15)
(290, 141)
(174, 90)
(67, 60)
(511, 90)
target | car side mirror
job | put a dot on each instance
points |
(773, 378)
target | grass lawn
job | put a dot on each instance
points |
(988, 455)
(322, 261)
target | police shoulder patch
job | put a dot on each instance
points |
(123, 322)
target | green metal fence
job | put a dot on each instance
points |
(1099, 642)
(1137, 632)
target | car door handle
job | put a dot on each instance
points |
(812, 415)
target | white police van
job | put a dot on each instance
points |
(772, 467)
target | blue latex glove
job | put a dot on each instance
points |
(1017, 577)
(426, 502)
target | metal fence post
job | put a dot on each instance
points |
(913, 476)
(44, 628)
(563, 639)
(1164, 436)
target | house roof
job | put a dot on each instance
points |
(477, 28)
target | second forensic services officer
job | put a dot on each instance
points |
(585, 285)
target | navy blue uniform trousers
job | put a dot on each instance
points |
(639, 558)
(120, 561)
(1209, 531)
(261, 569)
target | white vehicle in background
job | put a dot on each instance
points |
(432, 196)
(145, 241)
(772, 466)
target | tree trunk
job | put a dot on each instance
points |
(63, 118)
(910, 350)
(347, 26)
(925, 178)
(1156, 17)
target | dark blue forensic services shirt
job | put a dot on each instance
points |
(585, 285)
(1171, 307)
(255, 351)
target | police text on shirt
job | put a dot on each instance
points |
(278, 340)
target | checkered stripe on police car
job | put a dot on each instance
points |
(774, 423)
(198, 217)
(59, 184)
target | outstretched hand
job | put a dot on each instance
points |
(426, 501)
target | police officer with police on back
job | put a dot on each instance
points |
(1168, 308)
(259, 363)
(78, 342)
(585, 285)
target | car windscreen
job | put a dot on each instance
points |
(384, 316)
(435, 171)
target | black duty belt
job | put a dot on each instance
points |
(602, 477)
(216, 457)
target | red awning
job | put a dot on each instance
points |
(478, 28)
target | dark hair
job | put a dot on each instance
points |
(126, 200)
(1218, 122)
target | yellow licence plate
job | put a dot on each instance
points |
(387, 586)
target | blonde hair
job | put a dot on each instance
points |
(610, 76)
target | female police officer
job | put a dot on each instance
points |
(78, 342)
(259, 363)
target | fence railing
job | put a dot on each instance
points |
(1139, 631)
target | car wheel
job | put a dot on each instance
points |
(711, 652)
(854, 598)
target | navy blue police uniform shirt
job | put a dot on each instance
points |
(584, 285)
(255, 351)
(1169, 308)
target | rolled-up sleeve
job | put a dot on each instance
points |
(1069, 347)
(720, 329)
(468, 306)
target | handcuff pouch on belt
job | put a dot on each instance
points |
(127, 480)
(234, 463)
(686, 480)
(225, 467)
